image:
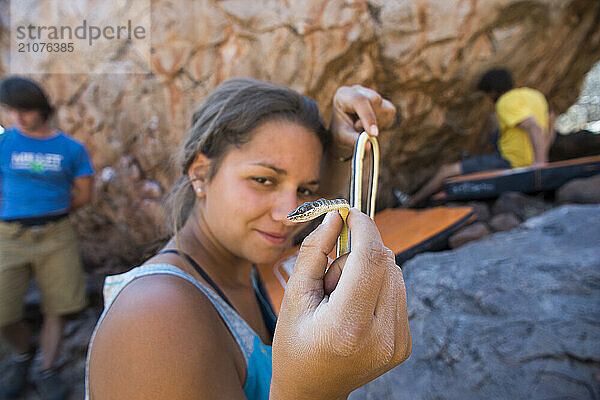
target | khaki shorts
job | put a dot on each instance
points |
(50, 254)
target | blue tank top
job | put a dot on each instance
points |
(256, 354)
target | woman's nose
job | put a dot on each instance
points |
(284, 204)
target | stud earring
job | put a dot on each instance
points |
(198, 189)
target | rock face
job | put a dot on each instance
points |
(424, 55)
(520, 322)
(585, 113)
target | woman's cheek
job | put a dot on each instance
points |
(252, 200)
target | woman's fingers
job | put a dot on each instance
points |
(332, 276)
(359, 286)
(386, 114)
(362, 102)
(403, 337)
(366, 101)
(312, 260)
(390, 313)
(357, 109)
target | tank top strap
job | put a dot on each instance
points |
(264, 302)
(266, 307)
(200, 271)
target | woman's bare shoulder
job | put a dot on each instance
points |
(163, 298)
(162, 338)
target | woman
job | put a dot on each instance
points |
(191, 323)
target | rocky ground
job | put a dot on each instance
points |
(511, 316)
(511, 312)
(72, 361)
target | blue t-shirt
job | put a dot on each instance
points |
(37, 174)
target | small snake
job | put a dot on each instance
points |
(312, 209)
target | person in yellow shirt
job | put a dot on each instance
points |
(524, 135)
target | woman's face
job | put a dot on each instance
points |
(258, 185)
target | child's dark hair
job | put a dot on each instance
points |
(24, 94)
(497, 80)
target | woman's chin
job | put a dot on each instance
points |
(269, 257)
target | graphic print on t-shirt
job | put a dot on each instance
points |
(37, 175)
(35, 162)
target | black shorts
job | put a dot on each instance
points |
(484, 163)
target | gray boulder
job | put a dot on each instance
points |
(522, 205)
(513, 316)
(584, 190)
(469, 233)
(504, 222)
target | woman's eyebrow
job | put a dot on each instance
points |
(281, 171)
(270, 166)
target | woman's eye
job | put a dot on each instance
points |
(306, 192)
(262, 181)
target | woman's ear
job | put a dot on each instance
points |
(198, 173)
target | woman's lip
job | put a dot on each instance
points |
(273, 237)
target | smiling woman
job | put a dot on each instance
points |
(193, 322)
(266, 178)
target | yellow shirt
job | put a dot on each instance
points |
(512, 108)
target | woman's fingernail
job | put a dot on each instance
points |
(373, 130)
(329, 216)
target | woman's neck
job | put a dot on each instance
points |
(226, 269)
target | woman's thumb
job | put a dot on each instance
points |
(312, 259)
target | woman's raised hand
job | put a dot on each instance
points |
(340, 330)
(356, 109)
